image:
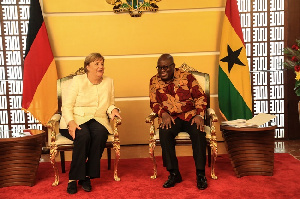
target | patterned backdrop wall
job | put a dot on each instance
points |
(262, 23)
(14, 15)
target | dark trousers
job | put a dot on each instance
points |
(89, 145)
(167, 140)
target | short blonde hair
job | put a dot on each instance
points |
(91, 58)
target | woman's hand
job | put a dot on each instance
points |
(115, 112)
(72, 126)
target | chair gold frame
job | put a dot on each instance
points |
(59, 143)
(183, 137)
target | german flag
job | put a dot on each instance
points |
(39, 75)
(234, 87)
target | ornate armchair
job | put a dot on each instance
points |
(59, 143)
(183, 137)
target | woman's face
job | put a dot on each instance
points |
(96, 68)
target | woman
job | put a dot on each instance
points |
(86, 110)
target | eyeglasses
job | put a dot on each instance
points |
(163, 67)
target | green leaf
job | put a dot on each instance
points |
(297, 84)
(297, 88)
(124, 5)
(297, 92)
(289, 64)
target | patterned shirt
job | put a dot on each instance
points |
(183, 97)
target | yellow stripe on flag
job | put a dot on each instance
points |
(43, 106)
(239, 75)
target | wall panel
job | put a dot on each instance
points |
(67, 6)
(134, 129)
(120, 35)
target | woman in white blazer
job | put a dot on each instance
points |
(86, 109)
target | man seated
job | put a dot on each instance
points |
(180, 103)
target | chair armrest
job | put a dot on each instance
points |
(212, 115)
(116, 122)
(53, 128)
(55, 117)
(151, 117)
(211, 119)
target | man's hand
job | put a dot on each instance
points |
(115, 112)
(199, 122)
(166, 121)
(72, 126)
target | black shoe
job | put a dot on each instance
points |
(201, 182)
(86, 184)
(172, 180)
(72, 187)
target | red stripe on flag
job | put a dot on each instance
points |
(36, 64)
(232, 13)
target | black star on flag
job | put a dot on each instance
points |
(232, 58)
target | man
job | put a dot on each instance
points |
(180, 103)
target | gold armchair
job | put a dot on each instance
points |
(183, 137)
(59, 143)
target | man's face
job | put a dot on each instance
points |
(165, 69)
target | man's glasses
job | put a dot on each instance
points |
(163, 67)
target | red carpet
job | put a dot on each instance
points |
(136, 183)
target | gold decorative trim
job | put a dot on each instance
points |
(213, 141)
(116, 147)
(152, 143)
(80, 71)
(186, 67)
(134, 7)
(53, 150)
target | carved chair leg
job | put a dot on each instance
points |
(108, 158)
(117, 157)
(53, 153)
(214, 152)
(151, 152)
(62, 161)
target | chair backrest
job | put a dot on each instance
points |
(63, 85)
(202, 78)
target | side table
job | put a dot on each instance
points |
(251, 150)
(20, 152)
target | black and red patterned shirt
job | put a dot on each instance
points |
(182, 97)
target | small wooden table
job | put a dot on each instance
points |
(251, 150)
(20, 152)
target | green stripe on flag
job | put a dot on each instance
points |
(231, 103)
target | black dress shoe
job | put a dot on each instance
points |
(72, 187)
(201, 182)
(86, 184)
(172, 180)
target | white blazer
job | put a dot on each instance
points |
(84, 101)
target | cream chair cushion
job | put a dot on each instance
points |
(185, 135)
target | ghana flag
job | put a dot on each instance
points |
(40, 75)
(234, 87)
